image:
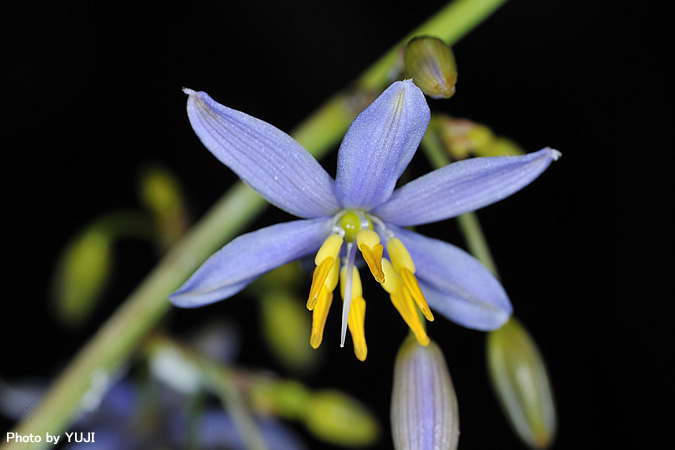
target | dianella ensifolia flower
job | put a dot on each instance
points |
(359, 212)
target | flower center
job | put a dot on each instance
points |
(355, 229)
(351, 222)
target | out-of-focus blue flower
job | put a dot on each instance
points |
(131, 419)
(359, 210)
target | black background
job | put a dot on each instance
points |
(93, 92)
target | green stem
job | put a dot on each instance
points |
(216, 378)
(97, 363)
(475, 240)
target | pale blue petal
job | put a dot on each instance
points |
(379, 145)
(250, 255)
(462, 186)
(455, 284)
(264, 157)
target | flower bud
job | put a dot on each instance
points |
(521, 383)
(424, 411)
(81, 274)
(161, 194)
(500, 146)
(431, 65)
(339, 419)
(286, 326)
(463, 138)
(284, 398)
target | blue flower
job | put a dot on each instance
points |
(359, 210)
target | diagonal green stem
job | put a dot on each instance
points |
(93, 369)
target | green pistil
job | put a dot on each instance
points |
(352, 222)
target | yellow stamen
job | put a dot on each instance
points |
(330, 247)
(399, 255)
(405, 306)
(320, 313)
(403, 301)
(368, 242)
(318, 280)
(325, 259)
(356, 323)
(404, 265)
(391, 278)
(413, 286)
(333, 276)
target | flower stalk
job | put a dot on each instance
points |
(517, 370)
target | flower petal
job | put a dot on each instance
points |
(248, 256)
(463, 186)
(379, 145)
(455, 284)
(264, 157)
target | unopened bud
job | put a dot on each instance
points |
(285, 328)
(81, 274)
(520, 380)
(424, 412)
(463, 138)
(500, 146)
(431, 65)
(161, 194)
(283, 398)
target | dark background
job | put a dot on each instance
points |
(93, 92)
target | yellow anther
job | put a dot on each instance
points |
(330, 247)
(318, 280)
(406, 308)
(413, 287)
(356, 323)
(320, 313)
(325, 259)
(333, 276)
(399, 255)
(357, 289)
(391, 278)
(367, 237)
(371, 249)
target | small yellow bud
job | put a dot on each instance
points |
(431, 65)
(500, 146)
(286, 326)
(162, 195)
(81, 274)
(339, 419)
(463, 138)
